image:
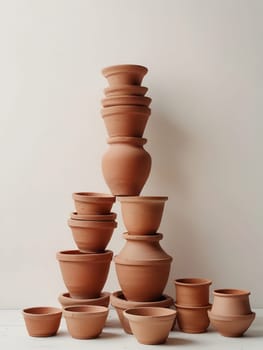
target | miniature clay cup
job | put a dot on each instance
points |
(90, 203)
(231, 302)
(84, 274)
(124, 74)
(94, 217)
(126, 100)
(120, 303)
(150, 325)
(231, 326)
(66, 300)
(125, 90)
(142, 215)
(85, 321)
(42, 321)
(192, 319)
(92, 236)
(192, 291)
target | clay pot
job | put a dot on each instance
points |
(231, 302)
(192, 291)
(147, 266)
(84, 274)
(120, 303)
(99, 217)
(66, 300)
(42, 321)
(125, 90)
(142, 215)
(85, 321)
(126, 165)
(126, 100)
(92, 236)
(231, 326)
(90, 203)
(192, 319)
(126, 120)
(150, 325)
(124, 74)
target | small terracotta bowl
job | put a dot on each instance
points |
(94, 217)
(125, 90)
(231, 302)
(126, 100)
(130, 74)
(192, 291)
(90, 203)
(150, 325)
(85, 321)
(42, 321)
(66, 300)
(192, 319)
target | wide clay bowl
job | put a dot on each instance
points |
(94, 217)
(192, 291)
(231, 326)
(85, 321)
(192, 319)
(42, 321)
(126, 100)
(230, 302)
(90, 203)
(150, 325)
(120, 303)
(124, 74)
(125, 90)
(66, 300)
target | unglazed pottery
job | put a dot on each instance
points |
(192, 291)
(66, 300)
(92, 236)
(192, 319)
(231, 302)
(85, 322)
(42, 321)
(127, 74)
(94, 217)
(84, 274)
(126, 100)
(142, 215)
(126, 165)
(120, 303)
(150, 325)
(231, 326)
(125, 90)
(147, 266)
(90, 203)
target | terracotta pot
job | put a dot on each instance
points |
(66, 300)
(84, 274)
(126, 120)
(142, 215)
(42, 321)
(192, 319)
(92, 236)
(85, 321)
(126, 100)
(146, 264)
(192, 291)
(99, 217)
(231, 302)
(93, 203)
(150, 325)
(126, 165)
(125, 90)
(130, 74)
(120, 303)
(231, 326)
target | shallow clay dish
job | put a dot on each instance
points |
(125, 90)
(99, 217)
(90, 203)
(192, 319)
(192, 291)
(66, 300)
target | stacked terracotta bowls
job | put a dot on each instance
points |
(85, 270)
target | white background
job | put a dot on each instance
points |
(205, 133)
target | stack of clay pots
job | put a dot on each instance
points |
(85, 270)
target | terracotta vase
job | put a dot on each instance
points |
(125, 90)
(192, 291)
(231, 302)
(124, 74)
(126, 165)
(84, 274)
(147, 266)
(125, 120)
(192, 319)
(66, 300)
(93, 203)
(126, 101)
(94, 217)
(142, 215)
(92, 236)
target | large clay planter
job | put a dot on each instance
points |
(84, 274)
(130, 74)
(192, 291)
(126, 165)
(231, 302)
(66, 300)
(92, 236)
(90, 203)
(142, 215)
(142, 267)
(120, 303)
(126, 101)
(192, 319)
(126, 120)
(125, 90)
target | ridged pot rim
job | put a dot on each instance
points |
(192, 282)
(92, 224)
(230, 318)
(44, 311)
(84, 311)
(93, 217)
(155, 237)
(187, 307)
(161, 313)
(130, 88)
(129, 97)
(66, 296)
(77, 256)
(148, 262)
(142, 199)
(121, 68)
(231, 292)
(93, 197)
(125, 109)
(136, 141)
